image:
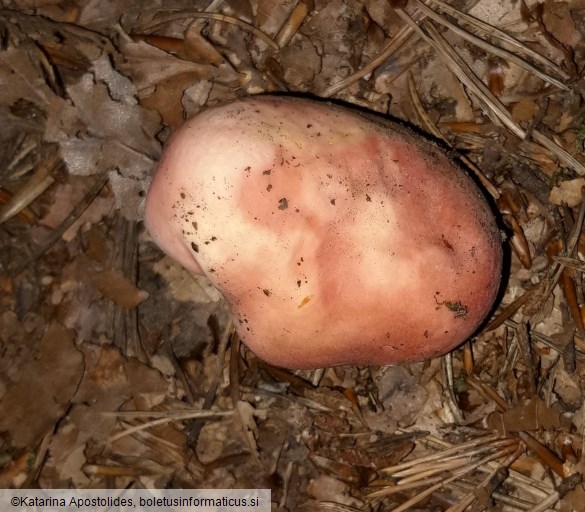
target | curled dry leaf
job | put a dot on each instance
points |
(115, 286)
(162, 77)
(569, 192)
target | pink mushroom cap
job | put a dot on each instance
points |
(336, 237)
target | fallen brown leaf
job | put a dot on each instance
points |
(113, 285)
(33, 405)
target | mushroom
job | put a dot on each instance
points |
(336, 237)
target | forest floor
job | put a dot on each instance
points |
(118, 368)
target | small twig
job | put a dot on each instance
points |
(559, 152)
(337, 507)
(430, 127)
(118, 471)
(547, 503)
(509, 310)
(572, 301)
(530, 485)
(546, 340)
(488, 392)
(546, 456)
(129, 415)
(503, 36)
(425, 120)
(441, 455)
(39, 460)
(186, 14)
(34, 187)
(449, 385)
(234, 370)
(571, 263)
(180, 374)
(445, 463)
(170, 418)
(393, 489)
(490, 48)
(396, 42)
(488, 486)
(456, 475)
(317, 376)
(286, 485)
(493, 106)
(25, 145)
(556, 269)
(296, 18)
(505, 499)
(124, 322)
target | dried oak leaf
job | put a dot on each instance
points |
(115, 286)
(33, 405)
(21, 78)
(569, 192)
(102, 128)
(162, 78)
(109, 381)
(112, 131)
(559, 22)
(531, 415)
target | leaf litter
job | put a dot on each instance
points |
(119, 368)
